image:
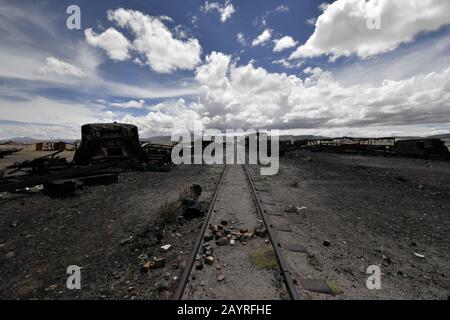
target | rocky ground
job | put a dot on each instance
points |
(351, 212)
(235, 270)
(110, 232)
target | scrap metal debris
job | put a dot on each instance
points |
(105, 150)
(8, 151)
(418, 148)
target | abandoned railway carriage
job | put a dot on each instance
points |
(107, 141)
(434, 148)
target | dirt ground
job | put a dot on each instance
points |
(236, 206)
(108, 231)
(351, 212)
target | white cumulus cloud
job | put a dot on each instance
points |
(154, 41)
(112, 41)
(262, 38)
(342, 29)
(284, 43)
(245, 96)
(225, 11)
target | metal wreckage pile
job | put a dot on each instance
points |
(426, 148)
(105, 151)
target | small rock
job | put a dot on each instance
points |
(10, 254)
(326, 243)
(166, 248)
(158, 263)
(260, 232)
(421, 187)
(386, 261)
(246, 236)
(220, 278)
(52, 287)
(207, 237)
(232, 242)
(146, 267)
(224, 222)
(418, 255)
(208, 250)
(222, 242)
(209, 260)
(236, 234)
(199, 265)
(126, 241)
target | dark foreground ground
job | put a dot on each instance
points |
(108, 231)
(350, 212)
(355, 211)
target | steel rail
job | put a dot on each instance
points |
(284, 269)
(178, 295)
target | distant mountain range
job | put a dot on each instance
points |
(445, 136)
(28, 140)
(167, 139)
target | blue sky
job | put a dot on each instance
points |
(165, 64)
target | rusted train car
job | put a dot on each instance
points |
(107, 141)
(423, 148)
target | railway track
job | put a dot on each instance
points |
(236, 200)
